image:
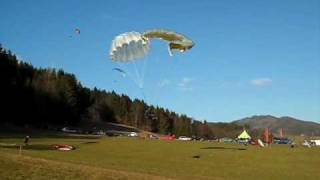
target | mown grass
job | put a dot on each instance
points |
(129, 158)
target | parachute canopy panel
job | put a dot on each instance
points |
(170, 36)
(128, 47)
(175, 40)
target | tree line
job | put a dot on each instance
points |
(44, 97)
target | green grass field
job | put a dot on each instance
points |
(130, 158)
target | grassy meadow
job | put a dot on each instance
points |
(131, 158)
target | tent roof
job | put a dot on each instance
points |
(244, 135)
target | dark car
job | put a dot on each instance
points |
(281, 140)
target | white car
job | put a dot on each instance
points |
(66, 129)
(99, 133)
(184, 138)
(133, 134)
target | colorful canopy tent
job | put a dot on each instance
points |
(244, 135)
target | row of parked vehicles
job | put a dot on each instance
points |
(129, 134)
(275, 140)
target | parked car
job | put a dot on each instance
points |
(167, 137)
(133, 134)
(184, 138)
(315, 142)
(151, 136)
(113, 133)
(99, 133)
(282, 140)
(195, 138)
(68, 130)
(226, 140)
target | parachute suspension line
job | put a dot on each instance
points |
(143, 94)
(157, 88)
(140, 81)
(145, 65)
(129, 73)
(135, 77)
(164, 77)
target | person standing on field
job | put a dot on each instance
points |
(26, 140)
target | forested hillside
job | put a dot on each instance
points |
(47, 97)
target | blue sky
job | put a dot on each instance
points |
(250, 57)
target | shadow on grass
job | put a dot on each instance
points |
(34, 147)
(90, 142)
(224, 148)
(54, 136)
(29, 147)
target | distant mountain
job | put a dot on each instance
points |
(288, 124)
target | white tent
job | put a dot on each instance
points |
(244, 135)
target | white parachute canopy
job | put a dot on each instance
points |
(128, 47)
